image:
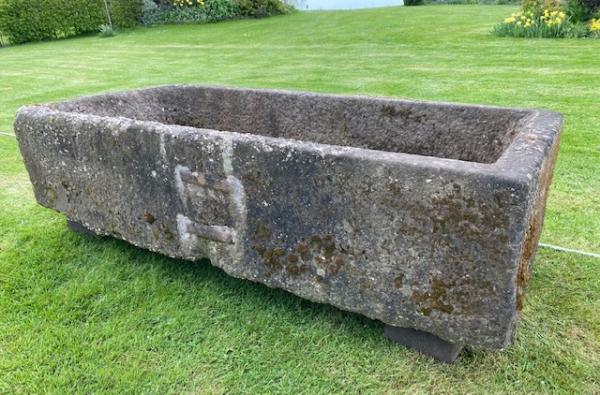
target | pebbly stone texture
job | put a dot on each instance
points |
(421, 215)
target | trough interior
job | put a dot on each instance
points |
(469, 133)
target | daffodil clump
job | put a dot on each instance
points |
(535, 23)
(553, 19)
(525, 19)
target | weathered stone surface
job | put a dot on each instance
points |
(420, 215)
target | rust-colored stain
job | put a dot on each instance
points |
(148, 217)
(534, 230)
(434, 299)
(398, 280)
(319, 252)
(524, 272)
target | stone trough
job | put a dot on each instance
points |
(421, 215)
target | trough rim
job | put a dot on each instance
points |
(535, 133)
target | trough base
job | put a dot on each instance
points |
(424, 342)
(80, 228)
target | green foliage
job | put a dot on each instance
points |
(577, 11)
(413, 2)
(539, 5)
(156, 12)
(218, 10)
(125, 13)
(480, 2)
(583, 10)
(580, 29)
(467, 2)
(106, 30)
(34, 20)
(450, 2)
(592, 5)
(260, 8)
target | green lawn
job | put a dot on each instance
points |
(88, 315)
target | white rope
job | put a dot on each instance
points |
(544, 245)
(564, 249)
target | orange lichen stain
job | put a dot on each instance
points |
(398, 280)
(535, 227)
(524, 273)
(433, 299)
(320, 251)
(148, 217)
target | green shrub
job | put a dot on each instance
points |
(260, 8)
(160, 14)
(218, 10)
(577, 11)
(449, 2)
(583, 10)
(413, 2)
(592, 5)
(125, 13)
(537, 6)
(578, 30)
(33, 20)
(480, 2)
(156, 12)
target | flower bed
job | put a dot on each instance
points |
(549, 19)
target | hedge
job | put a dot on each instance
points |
(260, 8)
(33, 20)
(157, 12)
